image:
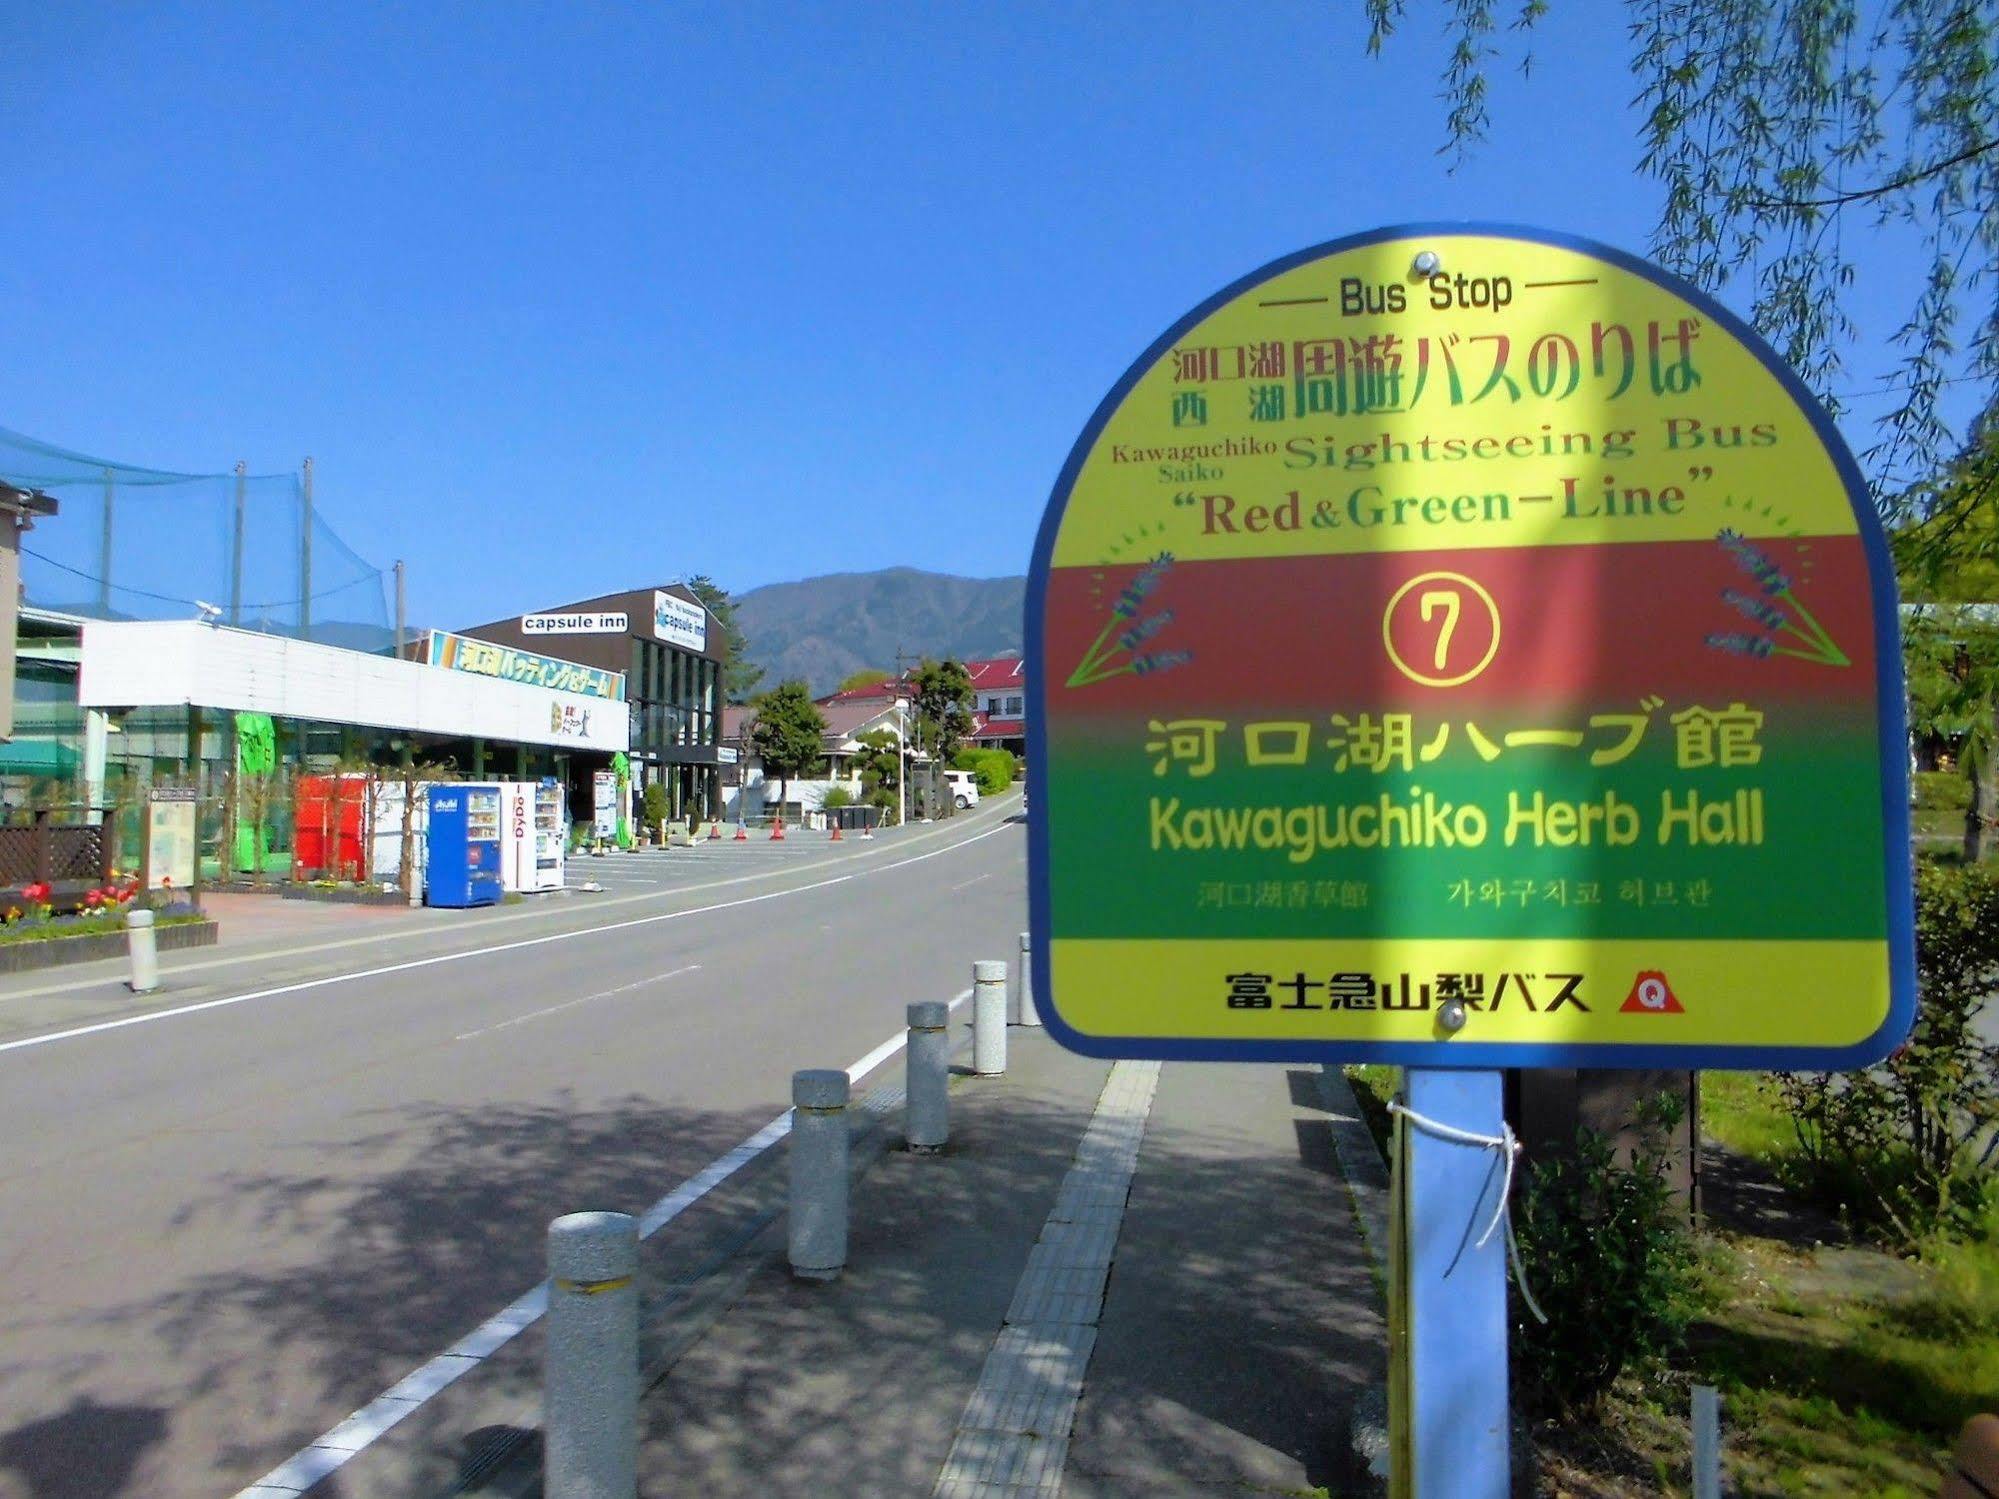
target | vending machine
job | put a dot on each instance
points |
(532, 836)
(517, 835)
(551, 833)
(465, 828)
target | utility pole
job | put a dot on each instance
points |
(401, 616)
(305, 561)
(908, 724)
(236, 547)
(104, 552)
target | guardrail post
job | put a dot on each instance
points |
(989, 1017)
(1024, 1011)
(818, 1226)
(927, 1121)
(590, 1400)
(145, 952)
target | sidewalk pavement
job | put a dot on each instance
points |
(1239, 1323)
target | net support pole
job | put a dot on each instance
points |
(104, 550)
(236, 546)
(305, 558)
(1455, 1426)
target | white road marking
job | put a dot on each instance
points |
(657, 978)
(153, 1017)
(359, 1431)
(967, 884)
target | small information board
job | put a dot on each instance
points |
(170, 834)
(1469, 617)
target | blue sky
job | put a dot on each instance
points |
(569, 299)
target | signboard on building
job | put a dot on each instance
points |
(604, 803)
(1441, 624)
(170, 829)
(613, 623)
(678, 622)
(482, 657)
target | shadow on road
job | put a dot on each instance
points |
(88, 1451)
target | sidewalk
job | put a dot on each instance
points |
(1239, 1322)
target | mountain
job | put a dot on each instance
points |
(822, 629)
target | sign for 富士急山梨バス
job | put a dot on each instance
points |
(1467, 624)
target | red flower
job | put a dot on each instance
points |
(39, 891)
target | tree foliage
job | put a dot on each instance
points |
(867, 676)
(1784, 136)
(943, 706)
(1951, 656)
(741, 675)
(879, 764)
(788, 734)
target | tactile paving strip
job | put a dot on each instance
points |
(1014, 1436)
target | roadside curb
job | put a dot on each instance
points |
(61, 952)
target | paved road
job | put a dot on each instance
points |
(223, 1229)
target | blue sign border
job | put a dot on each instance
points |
(1897, 853)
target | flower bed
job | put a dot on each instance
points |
(29, 944)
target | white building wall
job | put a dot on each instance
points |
(144, 664)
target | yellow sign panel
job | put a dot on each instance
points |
(1473, 648)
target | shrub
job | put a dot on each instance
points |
(1941, 791)
(654, 803)
(992, 768)
(836, 797)
(1604, 1248)
(1901, 1149)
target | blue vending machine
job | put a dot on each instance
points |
(464, 846)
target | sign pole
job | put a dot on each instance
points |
(1453, 1435)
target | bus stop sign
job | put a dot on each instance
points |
(1467, 647)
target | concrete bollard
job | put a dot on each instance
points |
(590, 1397)
(989, 1017)
(1023, 1008)
(927, 1120)
(818, 1224)
(145, 952)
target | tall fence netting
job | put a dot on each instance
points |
(142, 543)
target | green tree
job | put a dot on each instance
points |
(788, 734)
(1783, 136)
(867, 676)
(943, 719)
(880, 766)
(1953, 673)
(1952, 552)
(741, 675)
(943, 706)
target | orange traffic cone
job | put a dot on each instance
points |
(714, 831)
(836, 833)
(777, 831)
(742, 833)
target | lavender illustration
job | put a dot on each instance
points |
(1115, 652)
(1789, 627)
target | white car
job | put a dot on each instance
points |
(962, 787)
